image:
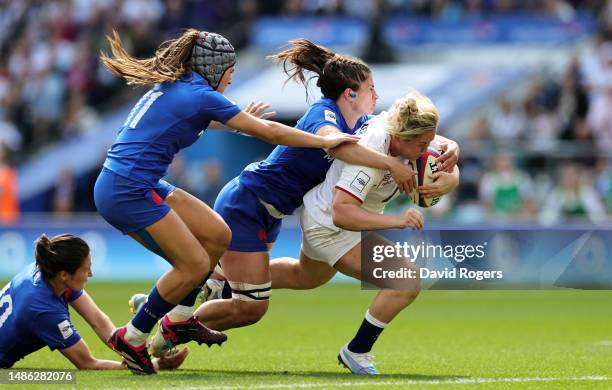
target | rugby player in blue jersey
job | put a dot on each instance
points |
(189, 75)
(254, 203)
(34, 308)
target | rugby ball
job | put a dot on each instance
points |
(425, 166)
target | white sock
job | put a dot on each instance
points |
(134, 336)
(180, 313)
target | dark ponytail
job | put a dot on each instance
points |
(60, 253)
(335, 72)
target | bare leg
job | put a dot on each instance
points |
(300, 274)
(245, 269)
(387, 303)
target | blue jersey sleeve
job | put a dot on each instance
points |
(218, 107)
(320, 116)
(71, 295)
(55, 330)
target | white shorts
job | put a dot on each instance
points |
(324, 243)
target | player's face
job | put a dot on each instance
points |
(79, 278)
(366, 97)
(413, 148)
(226, 79)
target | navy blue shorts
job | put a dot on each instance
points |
(251, 225)
(130, 205)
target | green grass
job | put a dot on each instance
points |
(548, 337)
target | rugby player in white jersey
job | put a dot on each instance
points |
(351, 200)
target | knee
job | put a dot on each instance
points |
(223, 236)
(405, 297)
(411, 295)
(218, 239)
(249, 313)
(196, 269)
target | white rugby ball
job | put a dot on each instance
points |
(425, 165)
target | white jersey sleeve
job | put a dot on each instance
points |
(358, 180)
(354, 179)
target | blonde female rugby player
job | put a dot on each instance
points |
(352, 199)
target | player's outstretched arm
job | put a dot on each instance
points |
(348, 214)
(279, 134)
(357, 154)
(96, 318)
(80, 355)
(256, 109)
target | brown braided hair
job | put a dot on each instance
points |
(168, 63)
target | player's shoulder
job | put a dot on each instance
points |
(374, 134)
(29, 287)
(324, 109)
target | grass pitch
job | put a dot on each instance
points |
(456, 339)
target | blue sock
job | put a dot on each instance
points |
(151, 311)
(190, 299)
(366, 335)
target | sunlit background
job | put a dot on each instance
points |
(525, 87)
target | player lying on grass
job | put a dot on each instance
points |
(34, 308)
(351, 200)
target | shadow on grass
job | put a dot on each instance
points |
(237, 375)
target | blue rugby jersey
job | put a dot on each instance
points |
(284, 177)
(33, 316)
(168, 118)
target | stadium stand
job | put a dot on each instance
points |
(535, 87)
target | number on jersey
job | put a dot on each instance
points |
(141, 108)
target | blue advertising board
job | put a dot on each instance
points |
(114, 256)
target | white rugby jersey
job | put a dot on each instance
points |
(372, 187)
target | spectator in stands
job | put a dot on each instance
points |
(574, 198)
(572, 110)
(9, 135)
(505, 191)
(599, 116)
(475, 144)
(212, 181)
(507, 123)
(63, 199)
(603, 180)
(9, 204)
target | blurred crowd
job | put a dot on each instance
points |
(53, 87)
(544, 155)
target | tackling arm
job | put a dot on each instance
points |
(279, 134)
(357, 154)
